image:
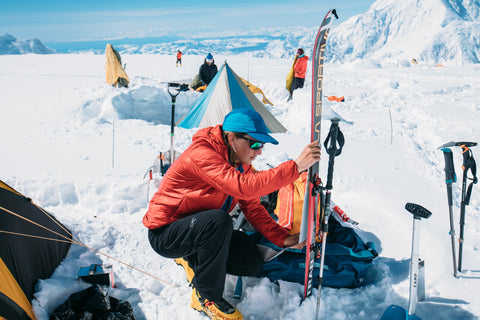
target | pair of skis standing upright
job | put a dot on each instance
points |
(310, 217)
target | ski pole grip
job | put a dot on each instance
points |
(331, 147)
(417, 210)
(450, 175)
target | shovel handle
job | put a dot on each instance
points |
(418, 211)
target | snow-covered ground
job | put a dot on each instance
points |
(79, 148)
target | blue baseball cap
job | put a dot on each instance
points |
(250, 122)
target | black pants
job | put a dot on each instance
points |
(211, 247)
(296, 83)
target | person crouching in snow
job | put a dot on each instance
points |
(188, 216)
(300, 69)
(206, 73)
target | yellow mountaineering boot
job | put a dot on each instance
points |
(221, 310)
(188, 270)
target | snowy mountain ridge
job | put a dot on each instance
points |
(427, 30)
(11, 45)
(433, 31)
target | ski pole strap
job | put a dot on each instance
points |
(334, 136)
(469, 164)
(450, 175)
(228, 202)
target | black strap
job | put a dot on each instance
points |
(340, 140)
(228, 202)
(469, 164)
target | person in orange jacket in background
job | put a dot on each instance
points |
(300, 69)
(179, 58)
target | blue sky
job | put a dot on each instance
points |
(64, 20)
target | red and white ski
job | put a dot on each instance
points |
(309, 216)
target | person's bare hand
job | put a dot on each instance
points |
(309, 155)
(292, 242)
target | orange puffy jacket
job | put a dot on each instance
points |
(301, 67)
(201, 179)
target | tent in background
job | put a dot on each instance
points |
(116, 74)
(225, 92)
(32, 245)
(256, 89)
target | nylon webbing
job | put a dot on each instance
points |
(470, 164)
(228, 202)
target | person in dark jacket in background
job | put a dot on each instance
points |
(206, 73)
(208, 70)
(300, 69)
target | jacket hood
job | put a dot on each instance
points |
(212, 136)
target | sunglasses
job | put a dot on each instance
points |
(254, 145)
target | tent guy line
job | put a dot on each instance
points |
(76, 241)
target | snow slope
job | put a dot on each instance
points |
(80, 149)
(436, 31)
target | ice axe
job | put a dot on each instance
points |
(469, 164)
(450, 178)
(395, 312)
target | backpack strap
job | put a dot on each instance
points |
(336, 249)
(228, 202)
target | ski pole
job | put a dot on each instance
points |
(468, 164)
(450, 177)
(418, 212)
(334, 136)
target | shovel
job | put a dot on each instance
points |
(395, 312)
(172, 155)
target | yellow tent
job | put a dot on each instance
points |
(116, 75)
(255, 89)
(32, 245)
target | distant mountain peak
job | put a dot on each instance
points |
(11, 45)
(427, 30)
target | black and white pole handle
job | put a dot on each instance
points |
(419, 213)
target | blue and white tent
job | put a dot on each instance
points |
(226, 92)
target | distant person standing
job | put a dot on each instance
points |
(206, 73)
(300, 69)
(179, 58)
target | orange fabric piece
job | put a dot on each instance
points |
(335, 98)
(201, 89)
(290, 204)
